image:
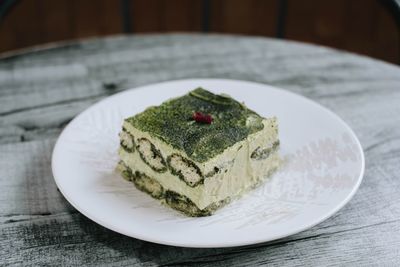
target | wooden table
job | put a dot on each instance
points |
(41, 90)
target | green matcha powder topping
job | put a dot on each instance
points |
(172, 122)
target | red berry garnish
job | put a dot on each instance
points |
(202, 118)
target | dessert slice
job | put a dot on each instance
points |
(199, 151)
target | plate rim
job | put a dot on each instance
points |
(217, 244)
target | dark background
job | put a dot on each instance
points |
(361, 26)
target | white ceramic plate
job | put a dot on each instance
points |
(324, 165)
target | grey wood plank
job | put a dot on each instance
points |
(36, 79)
(41, 91)
(41, 123)
(71, 239)
(27, 185)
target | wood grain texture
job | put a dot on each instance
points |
(166, 15)
(348, 25)
(42, 90)
(361, 26)
(55, 16)
(256, 17)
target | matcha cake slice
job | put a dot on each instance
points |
(199, 151)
